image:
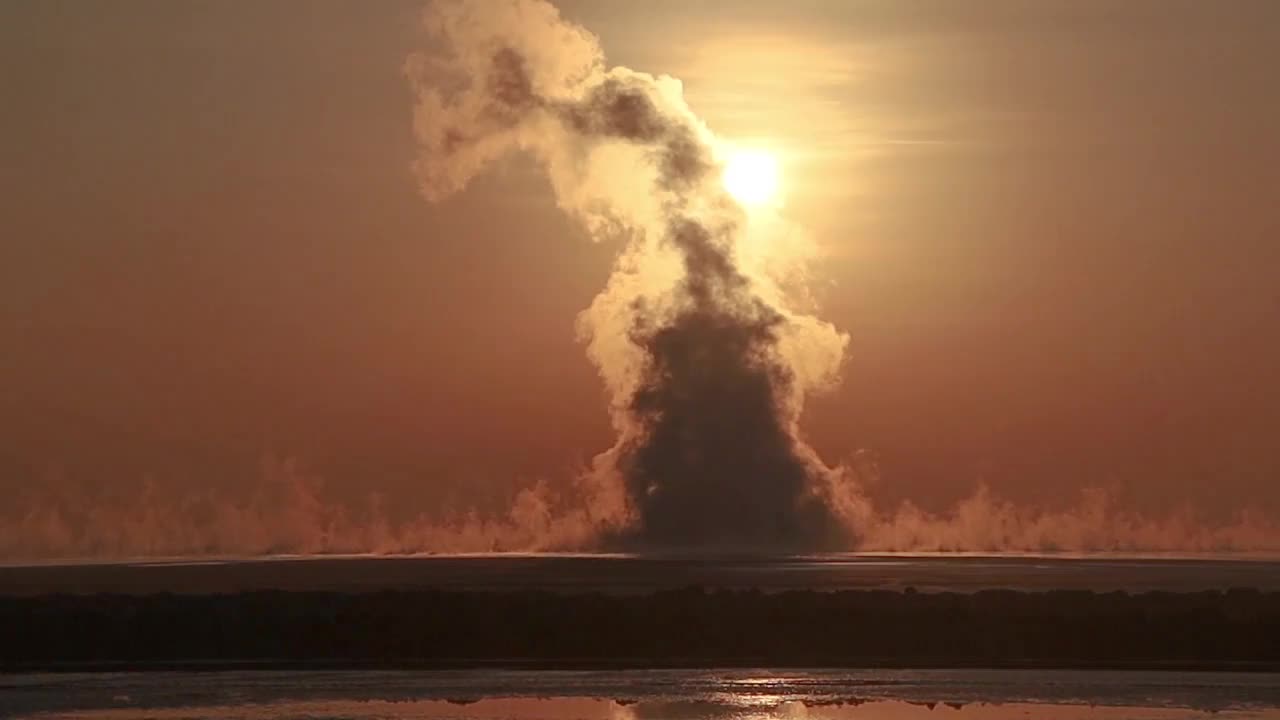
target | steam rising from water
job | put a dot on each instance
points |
(700, 336)
(706, 361)
(290, 513)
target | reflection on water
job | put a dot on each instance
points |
(643, 695)
(591, 709)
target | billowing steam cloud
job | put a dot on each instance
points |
(698, 335)
(707, 365)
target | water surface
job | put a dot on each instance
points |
(644, 695)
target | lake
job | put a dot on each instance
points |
(644, 695)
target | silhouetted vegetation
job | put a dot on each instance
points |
(997, 628)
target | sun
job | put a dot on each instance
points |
(751, 177)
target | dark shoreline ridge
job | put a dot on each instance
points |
(1236, 629)
(641, 573)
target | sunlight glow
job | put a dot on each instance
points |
(751, 177)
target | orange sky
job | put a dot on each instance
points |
(1050, 230)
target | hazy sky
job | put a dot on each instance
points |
(1051, 230)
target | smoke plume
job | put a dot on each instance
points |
(706, 362)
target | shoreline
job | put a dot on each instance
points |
(632, 574)
(621, 665)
